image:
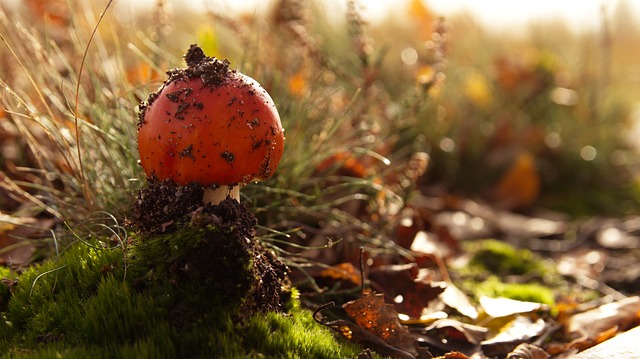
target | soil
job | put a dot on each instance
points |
(227, 259)
(212, 71)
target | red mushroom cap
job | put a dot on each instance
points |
(211, 125)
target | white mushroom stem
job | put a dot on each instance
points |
(216, 195)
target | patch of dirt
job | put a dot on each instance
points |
(162, 203)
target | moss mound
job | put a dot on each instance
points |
(204, 290)
(501, 258)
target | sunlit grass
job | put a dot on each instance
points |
(72, 173)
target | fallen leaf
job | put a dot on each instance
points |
(504, 307)
(379, 318)
(527, 351)
(409, 224)
(345, 273)
(410, 287)
(297, 84)
(453, 355)
(450, 335)
(518, 331)
(141, 73)
(519, 187)
(458, 300)
(344, 163)
(592, 326)
(56, 12)
(473, 334)
(430, 243)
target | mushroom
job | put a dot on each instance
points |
(211, 125)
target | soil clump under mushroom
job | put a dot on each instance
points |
(218, 254)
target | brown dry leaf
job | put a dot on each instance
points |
(519, 187)
(411, 285)
(410, 222)
(359, 335)
(453, 355)
(379, 318)
(455, 329)
(527, 351)
(451, 335)
(596, 325)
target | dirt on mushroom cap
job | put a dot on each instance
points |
(209, 124)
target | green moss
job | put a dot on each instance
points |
(502, 259)
(155, 301)
(529, 292)
(492, 261)
(301, 337)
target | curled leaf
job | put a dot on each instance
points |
(527, 351)
(379, 318)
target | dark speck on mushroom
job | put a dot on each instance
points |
(175, 95)
(228, 156)
(256, 144)
(181, 108)
(187, 152)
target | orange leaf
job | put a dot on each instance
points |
(520, 186)
(141, 73)
(345, 164)
(344, 272)
(423, 17)
(298, 84)
(419, 10)
(54, 11)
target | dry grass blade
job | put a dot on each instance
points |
(85, 185)
(76, 126)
